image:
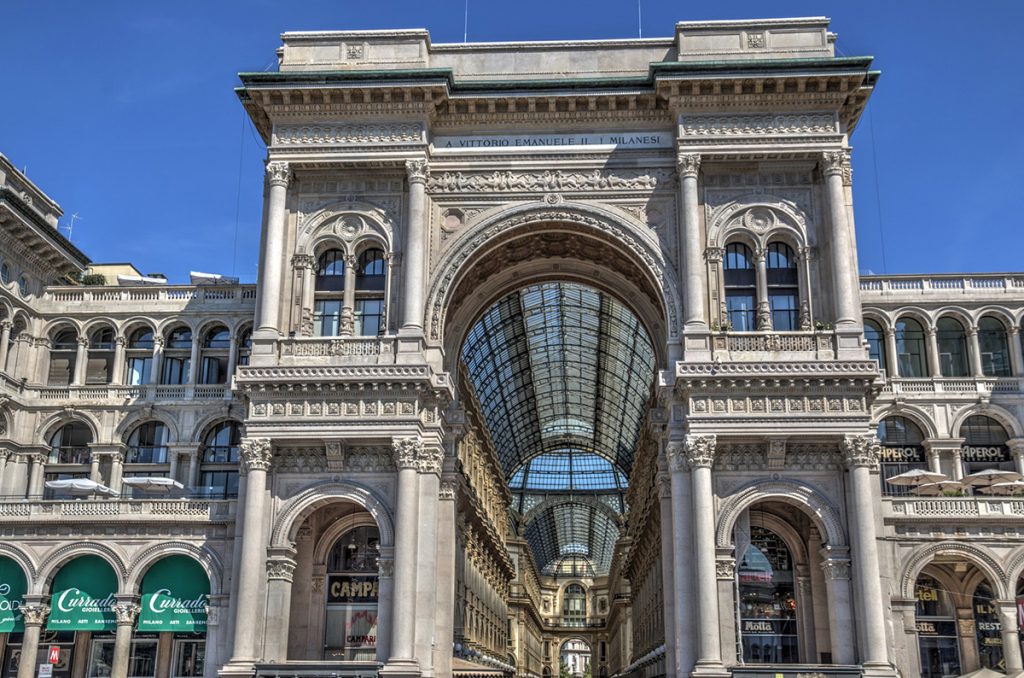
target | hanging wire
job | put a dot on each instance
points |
(878, 193)
(238, 191)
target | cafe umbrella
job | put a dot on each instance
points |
(938, 488)
(991, 476)
(81, 487)
(916, 477)
(154, 484)
(1011, 487)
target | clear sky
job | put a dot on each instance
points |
(124, 113)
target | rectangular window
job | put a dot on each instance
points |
(61, 369)
(369, 313)
(213, 370)
(175, 371)
(740, 308)
(219, 484)
(351, 632)
(97, 370)
(327, 317)
(138, 371)
(785, 312)
(189, 658)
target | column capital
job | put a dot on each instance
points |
(836, 567)
(417, 170)
(302, 261)
(35, 614)
(278, 173)
(431, 459)
(447, 489)
(675, 455)
(835, 163)
(713, 255)
(1013, 330)
(82, 341)
(700, 450)
(861, 450)
(688, 165)
(126, 612)
(6, 324)
(725, 567)
(407, 452)
(255, 453)
(281, 568)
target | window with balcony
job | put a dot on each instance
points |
(783, 287)
(147, 444)
(740, 288)
(220, 460)
(994, 347)
(952, 343)
(216, 348)
(139, 357)
(329, 293)
(371, 279)
(984, 445)
(100, 363)
(177, 357)
(876, 343)
(910, 348)
(69, 444)
(574, 606)
(63, 352)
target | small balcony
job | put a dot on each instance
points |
(745, 346)
(109, 393)
(338, 350)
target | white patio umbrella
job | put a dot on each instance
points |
(154, 484)
(937, 489)
(915, 477)
(81, 487)
(991, 476)
(1012, 487)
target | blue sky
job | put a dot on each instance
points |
(124, 113)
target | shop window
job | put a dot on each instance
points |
(352, 593)
(740, 288)
(995, 350)
(902, 451)
(988, 628)
(936, 630)
(910, 348)
(141, 661)
(189, 658)
(783, 287)
(147, 444)
(768, 602)
(952, 342)
(70, 444)
(63, 351)
(876, 343)
(984, 445)
(139, 357)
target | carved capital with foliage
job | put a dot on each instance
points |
(861, 450)
(407, 452)
(278, 173)
(125, 613)
(688, 165)
(256, 454)
(35, 614)
(700, 450)
(417, 170)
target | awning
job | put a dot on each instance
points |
(83, 596)
(175, 592)
(12, 589)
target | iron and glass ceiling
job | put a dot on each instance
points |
(563, 374)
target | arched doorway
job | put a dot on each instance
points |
(767, 598)
(574, 659)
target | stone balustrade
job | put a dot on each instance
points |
(953, 385)
(876, 287)
(166, 295)
(982, 508)
(115, 393)
(134, 510)
(343, 350)
(774, 345)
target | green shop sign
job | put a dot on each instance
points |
(83, 596)
(12, 589)
(175, 592)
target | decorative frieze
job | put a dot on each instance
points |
(774, 405)
(546, 181)
(375, 134)
(759, 125)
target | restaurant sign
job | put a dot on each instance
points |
(343, 588)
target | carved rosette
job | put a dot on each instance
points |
(861, 450)
(836, 568)
(700, 450)
(407, 452)
(35, 615)
(385, 567)
(280, 569)
(126, 613)
(417, 170)
(675, 453)
(278, 173)
(256, 454)
(688, 165)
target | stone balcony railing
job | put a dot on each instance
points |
(163, 296)
(954, 508)
(115, 393)
(344, 350)
(974, 386)
(740, 346)
(17, 509)
(908, 286)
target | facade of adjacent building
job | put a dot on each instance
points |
(558, 363)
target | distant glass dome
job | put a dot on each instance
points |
(568, 470)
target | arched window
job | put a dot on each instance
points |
(768, 602)
(370, 281)
(214, 361)
(147, 444)
(988, 628)
(63, 352)
(23, 286)
(740, 288)
(352, 593)
(783, 288)
(984, 445)
(952, 348)
(902, 451)
(245, 346)
(937, 632)
(5, 274)
(69, 444)
(329, 298)
(101, 356)
(995, 350)
(139, 357)
(876, 343)
(910, 348)
(220, 460)
(177, 360)
(574, 605)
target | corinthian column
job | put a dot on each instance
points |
(764, 311)
(700, 454)
(861, 454)
(125, 613)
(272, 257)
(255, 455)
(280, 570)
(1011, 637)
(414, 258)
(835, 166)
(408, 452)
(836, 567)
(694, 289)
(33, 616)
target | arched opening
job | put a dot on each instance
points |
(63, 357)
(875, 338)
(783, 287)
(174, 595)
(353, 595)
(176, 363)
(574, 658)
(147, 444)
(216, 347)
(902, 450)
(952, 343)
(740, 288)
(99, 369)
(371, 278)
(994, 347)
(329, 293)
(985, 445)
(139, 357)
(911, 355)
(218, 469)
(767, 594)
(574, 605)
